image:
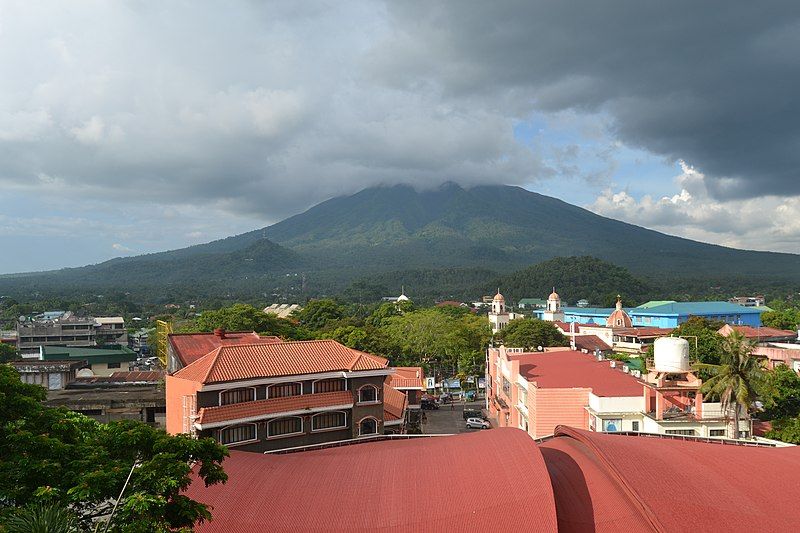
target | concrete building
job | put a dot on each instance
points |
(270, 396)
(499, 315)
(749, 301)
(52, 375)
(531, 303)
(538, 391)
(97, 361)
(59, 328)
(762, 334)
(662, 314)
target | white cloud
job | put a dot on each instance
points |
(121, 248)
(768, 223)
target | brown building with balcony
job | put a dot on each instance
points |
(278, 395)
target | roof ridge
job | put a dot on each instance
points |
(614, 473)
(214, 358)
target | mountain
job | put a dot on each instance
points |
(383, 231)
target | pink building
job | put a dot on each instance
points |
(538, 391)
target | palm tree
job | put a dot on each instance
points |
(42, 518)
(735, 380)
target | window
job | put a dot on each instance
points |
(686, 432)
(329, 385)
(717, 432)
(368, 426)
(506, 388)
(612, 424)
(635, 425)
(282, 390)
(334, 420)
(285, 426)
(113, 365)
(368, 394)
(237, 434)
(237, 396)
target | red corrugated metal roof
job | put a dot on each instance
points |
(484, 481)
(250, 361)
(678, 485)
(189, 347)
(238, 411)
(567, 369)
(761, 332)
(394, 403)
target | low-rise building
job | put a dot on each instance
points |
(110, 330)
(749, 301)
(279, 395)
(97, 361)
(538, 391)
(761, 334)
(52, 375)
(54, 328)
(185, 348)
(282, 310)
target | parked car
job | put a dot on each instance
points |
(429, 405)
(477, 423)
(473, 413)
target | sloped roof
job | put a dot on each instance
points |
(107, 354)
(408, 377)
(394, 403)
(695, 308)
(567, 369)
(643, 331)
(259, 408)
(654, 303)
(251, 361)
(591, 343)
(491, 477)
(757, 333)
(502, 480)
(189, 347)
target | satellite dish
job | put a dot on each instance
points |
(539, 348)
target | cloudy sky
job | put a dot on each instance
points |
(129, 127)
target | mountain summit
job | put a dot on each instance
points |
(386, 229)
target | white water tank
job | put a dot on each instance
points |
(671, 355)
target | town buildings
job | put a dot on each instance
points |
(59, 328)
(277, 395)
(96, 361)
(662, 314)
(502, 480)
(538, 391)
(749, 301)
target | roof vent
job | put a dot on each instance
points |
(220, 332)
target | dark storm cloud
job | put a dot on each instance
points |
(714, 83)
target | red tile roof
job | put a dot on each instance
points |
(408, 377)
(394, 403)
(387, 486)
(263, 408)
(591, 343)
(567, 369)
(759, 332)
(251, 361)
(189, 347)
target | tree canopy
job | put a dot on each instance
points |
(530, 334)
(241, 317)
(67, 460)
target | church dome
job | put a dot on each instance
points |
(554, 296)
(499, 297)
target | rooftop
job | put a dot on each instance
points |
(568, 369)
(574, 481)
(189, 347)
(695, 308)
(106, 354)
(394, 404)
(408, 377)
(759, 332)
(644, 331)
(591, 343)
(251, 361)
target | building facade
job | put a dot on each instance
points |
(536, 392)
(97, 361)
(57, 328)
(270, 396)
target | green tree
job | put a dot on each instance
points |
(736, 380)
(241, 317)
(42, 518)
(705, 344)
(317, 313)
(530, 334)
(7, 353)
(780, 393)
(786, 430)
(71, 461)
(783, 319)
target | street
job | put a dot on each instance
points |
(445, 420)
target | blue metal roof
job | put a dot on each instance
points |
(600, 311)
(696, 308)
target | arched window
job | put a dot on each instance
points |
(247, 394)
(331, 420)
(283, 427)
(368, 426)
(282, 390)
(368, 394)
(237, 434)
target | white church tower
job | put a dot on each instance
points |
(498, 316)
(553, 310)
